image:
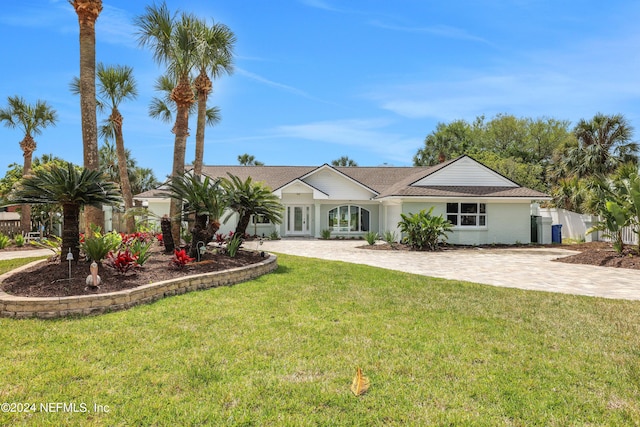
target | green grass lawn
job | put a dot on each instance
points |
(282, 350)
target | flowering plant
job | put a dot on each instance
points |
(122, 261)
(181, 258)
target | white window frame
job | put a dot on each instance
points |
(346, 227)
(462, 220)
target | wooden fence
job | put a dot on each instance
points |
(10, 227)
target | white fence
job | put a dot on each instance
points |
(575, 226)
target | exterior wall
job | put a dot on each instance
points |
(507, 223)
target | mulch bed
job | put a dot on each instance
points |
(593, 253)
(51, 279)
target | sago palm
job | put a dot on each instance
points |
(204, 198)
(72, 188)
(30, 119)
(248, 198)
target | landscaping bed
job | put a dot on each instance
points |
(51, 279)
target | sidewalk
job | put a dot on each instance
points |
(523, 268)
(25, 254)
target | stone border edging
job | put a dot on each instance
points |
(54, 307)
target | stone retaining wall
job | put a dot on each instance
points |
(48, 308)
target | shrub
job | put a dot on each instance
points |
(233, 245)
(423, 230)
(180, 259)
(390, 237)
(19, 240)
(326, 234)
(140, 249)
(4, 241)
(274, 235)
(371, 237)
(122, 261)
(53, 243)
(98, 246)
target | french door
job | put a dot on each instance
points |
(298, 219)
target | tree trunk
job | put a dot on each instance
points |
(243, 223)
(167, 239)
(125, 185)
(70, 231)
(28, 146)
(199, 233)
(182, 94)
(88, 11)
(203, 86)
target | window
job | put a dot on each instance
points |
(349, 219)
(259, 219)
(467, 214)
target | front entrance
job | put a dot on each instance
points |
(298, 220)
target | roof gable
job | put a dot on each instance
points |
(464, 172)
(337, 184)
(299, 186)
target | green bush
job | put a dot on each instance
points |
(4, 241)
(233, 245)
(99, 245)
(274, 235)
(140, 250)
(423, 230)
(19, 240)
(371, 237)
(326, 234)
(390, 237)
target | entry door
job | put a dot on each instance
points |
(298, 219)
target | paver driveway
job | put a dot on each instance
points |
(524, 268)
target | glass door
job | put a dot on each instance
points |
(298, 220)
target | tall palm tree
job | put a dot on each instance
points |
(73, 189)
(214, 56)
(205, 199)
(30, 119)
(172, 41)
(115, 84)
(248, 198)
(604, 142)
(88, 12)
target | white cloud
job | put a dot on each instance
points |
(435, 30)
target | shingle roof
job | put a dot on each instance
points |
(387, 181)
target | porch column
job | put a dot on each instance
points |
(316, 220)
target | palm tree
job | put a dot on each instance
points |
(604, 142)
(173, 44)
(88, 12)
(204, 199)
(31, 119)
(248, 160)
(248, 198)
(214, 56)
(73, 189)
(344, 161)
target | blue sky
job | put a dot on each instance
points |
(318, 79)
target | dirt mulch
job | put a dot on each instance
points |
(593, 253)
(51, 279)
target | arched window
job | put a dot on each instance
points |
(349, 219)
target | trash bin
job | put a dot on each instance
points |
(556, 233)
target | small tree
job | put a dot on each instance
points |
(248, 198)
(71, 187)
(614, 219)
(423, 230)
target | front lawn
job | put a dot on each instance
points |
(282, 350)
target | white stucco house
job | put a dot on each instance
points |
(483, 206)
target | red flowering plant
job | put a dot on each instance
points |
(180, 259)
(122, 261)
